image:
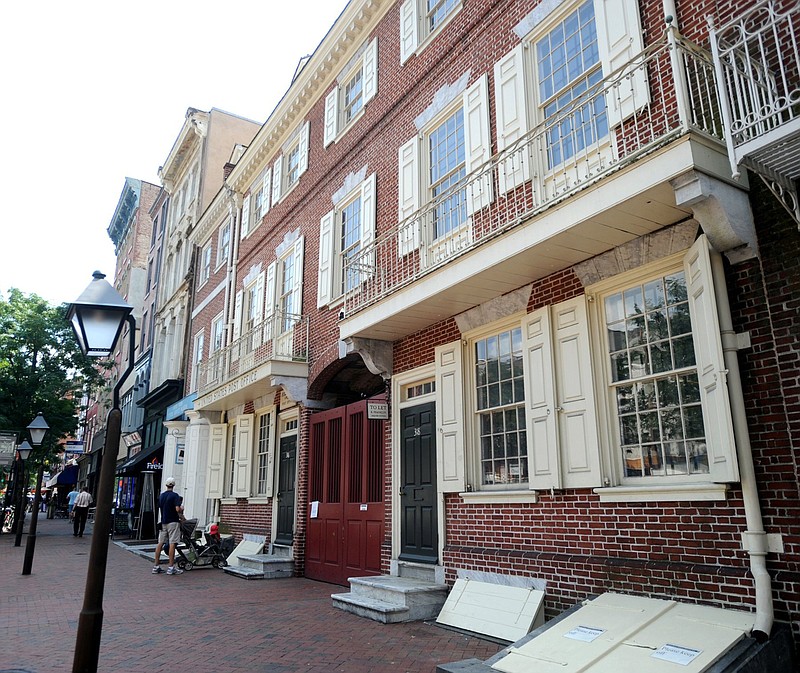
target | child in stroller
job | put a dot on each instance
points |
(199, 551)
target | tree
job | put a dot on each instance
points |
(41, 369)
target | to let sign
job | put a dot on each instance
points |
(377, 411)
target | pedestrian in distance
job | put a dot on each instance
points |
(80, 512)
(74, 493)
(171, 506)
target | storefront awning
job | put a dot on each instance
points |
(137, 463)
(69, 475)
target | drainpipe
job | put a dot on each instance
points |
(233, 262)
(755, 536)
(670, 11)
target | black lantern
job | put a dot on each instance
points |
(24, 450)
(38, 429)
(97, 317)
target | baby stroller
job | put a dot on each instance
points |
(198, 551)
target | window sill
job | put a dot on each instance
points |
(682, 492)
(259, 500)
(227, 500)
(497, 497)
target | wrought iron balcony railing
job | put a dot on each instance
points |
(756, 56)
(282, 336)
(567, 152)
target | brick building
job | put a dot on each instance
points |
(483, 295)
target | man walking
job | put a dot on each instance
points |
(74, 493)
(170, 504)
(80, 512)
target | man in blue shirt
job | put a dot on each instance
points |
(71, 499)
(171, 506)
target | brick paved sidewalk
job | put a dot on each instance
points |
(220, 623)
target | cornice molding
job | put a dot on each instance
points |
(339, 46)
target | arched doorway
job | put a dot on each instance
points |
(346, 479)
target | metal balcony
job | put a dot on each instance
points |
(277, 346)
(756, 58)
(681, 100)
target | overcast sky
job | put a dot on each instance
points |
(94, 91)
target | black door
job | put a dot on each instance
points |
(419, 540)
(286, 478)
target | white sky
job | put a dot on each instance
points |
(93, 91)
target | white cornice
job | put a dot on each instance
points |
(342, 42)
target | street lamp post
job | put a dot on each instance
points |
(38, 429)
(23, 451)
(97, 318)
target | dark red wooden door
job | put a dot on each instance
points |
(346, 470)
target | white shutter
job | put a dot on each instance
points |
(711, 370)
(245, 228)
(409, 237)
(259, 297)
(244, 448)
(237, 315)
(277, 178)
(326, 253)
(409, 29)
(269, 302)
(303, 146)
(370, 74)
(331, 117)
(266, 186)
(368, 213)
(216, 461)
(619, 39)
(478, 144)
(512, 118)
(449, 418)
(540, 413)
(271, 456)
(298, 274)
(577, 414)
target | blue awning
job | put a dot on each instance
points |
(67, 477)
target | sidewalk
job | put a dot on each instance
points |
(219, 623)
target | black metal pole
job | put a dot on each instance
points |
(30, 543)
(19, 521)
(90, 621)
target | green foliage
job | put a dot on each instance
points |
(41, 369)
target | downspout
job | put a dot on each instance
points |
(233, 262)
(755, 537)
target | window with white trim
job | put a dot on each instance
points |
(420, 19)
(291, 163)
(453, 142)
(345, 233)
(355, 87)
(572, 47)
(205, 265)
(284, 294)
(231, 483)
(224, 245)
(664, 374)
(199, 345)
(264, 453)
(256, 201)
(217, 333)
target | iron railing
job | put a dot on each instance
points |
(282, 336)
(567, 152)
(756, 58)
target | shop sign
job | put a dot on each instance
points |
(377, 410)
(155, 465)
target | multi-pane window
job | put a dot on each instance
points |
(568, 64)
(232, 460)
(447, 167)
(654, 379)
(293, 165)
(205, 264)
(217, 331)
(288, 298)
(350, 242)
(199, 345)
(263, 444)
(224, 243)
(437, 11)
(352, 96)
(500, 408)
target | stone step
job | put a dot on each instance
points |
(417, 571)
(402, 598)
(377, 611)
(273, 567)
(245, 573)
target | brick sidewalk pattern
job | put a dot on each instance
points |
(220, 623)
